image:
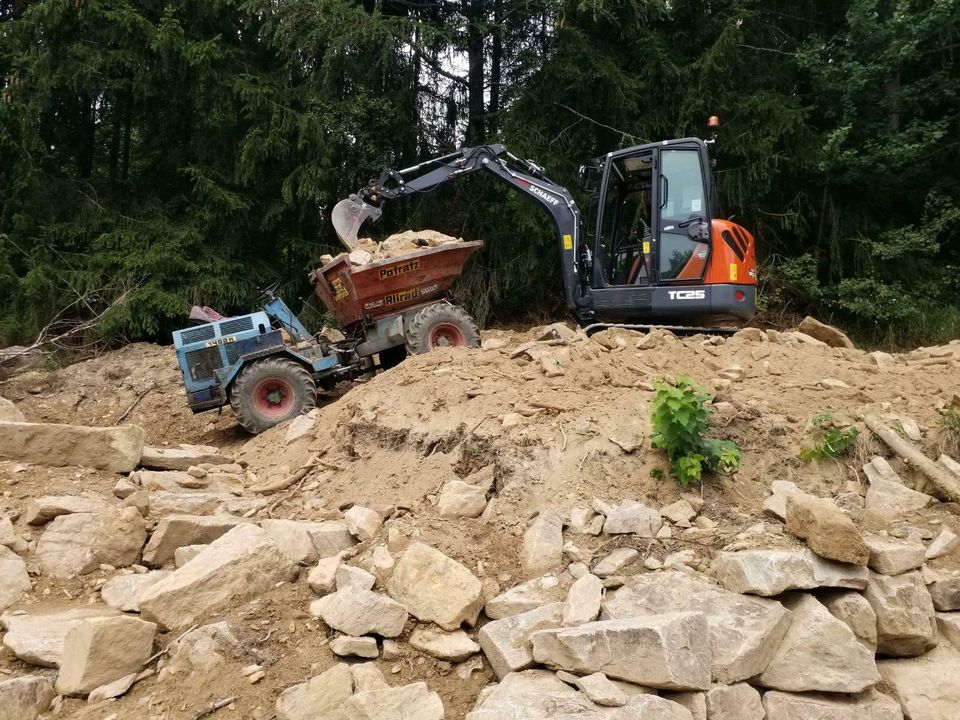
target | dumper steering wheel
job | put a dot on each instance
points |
(268, 293)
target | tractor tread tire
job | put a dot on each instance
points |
(293, 373)
(419, 329)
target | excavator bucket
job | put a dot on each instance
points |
(347, 217)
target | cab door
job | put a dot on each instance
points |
(682, 238)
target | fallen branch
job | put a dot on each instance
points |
(136, 402)
(284, 483)
(948, 487)
(170, 645)
(213, 707)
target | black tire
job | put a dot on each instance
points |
(271, 391)
(441, 325)
(391, 357)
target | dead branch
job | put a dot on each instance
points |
(213, 707)
(947, 487)
(136, 402)
(284, 483)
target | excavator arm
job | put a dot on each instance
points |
(350, 214)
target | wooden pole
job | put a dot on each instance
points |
(947, 486)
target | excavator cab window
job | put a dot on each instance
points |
(627, 222)
(683, 252)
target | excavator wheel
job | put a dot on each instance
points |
(271, 391)
(441, 325)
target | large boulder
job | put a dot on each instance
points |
(36, 637)
(670, 651)
(828, 532)
(772, 572)
(356, 611)
(887, 496)
(870, 705)
(927, 686)
(944, 588)
(542, 549)
(43, 509)
(583, 600)
(317, 697)
(176, 531)
(76, 544)
(506, 642)
(182, 457)
(526, 596)
(435, 588)
(855, 611)
(825, 333)
(25, 698)
(98, 651)
(890, 556)
(241, 564)
(540, 695)
(744, 631)
(819, 653)
(122, 591)
(115, 449)
(906, 622)
(10, 412)
(631, 517)
(14, 580)
(734, 702)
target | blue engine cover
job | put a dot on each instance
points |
(208, 354)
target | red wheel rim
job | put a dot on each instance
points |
(273, 397)
(446, 335)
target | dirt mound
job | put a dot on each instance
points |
(552, 419)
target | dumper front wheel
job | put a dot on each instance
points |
(271, 391)
(441, 325)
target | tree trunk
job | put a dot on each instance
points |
(496, 60)
(86, 151)
(475, 104)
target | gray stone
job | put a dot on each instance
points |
(356, 612)
(98, 651)
(679, 513)
(182, 457)
(367, 676)
(944, 588)
(631, 517)
(36, 637)
(14, 580)
(948, 627)
(363, 523)
(115, 449)
(670, 651)
(906, 623)
(870, 705)
(323, 578)
(201, 650)
(506, 642)
(25, 698)
(600, 689)
(460, 499)
(330, 537)
(744, 631)
(945, 543)
(76, 544)
(583, 601)
(540, 695)
(772, 572)
(435, 588)
(615, 562)
(112, 689)
(825, 333)
(819, 653)
(734, 702)
(239, 565)
(414, 701)
(42, 510)
(122, 591)
(781, 490)
(887, 496)
(694, 702)
(853, 609)
(10, 412)
(542, 549)
(889, 556)
(526, 596)
(926, 686)
(175, 531)
(347, 646)
(295, 538)
(455, 646)
(316, 698)
(348, 575)
(183, 555)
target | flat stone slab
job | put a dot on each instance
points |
(927, 686)
(772, 572)
(182, 457)
(506, 642)
(176, 531)
(36, 637)
(115, 449)
(871, 705)
(744, 631)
